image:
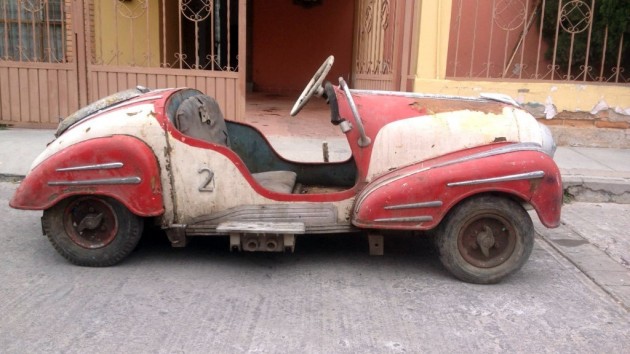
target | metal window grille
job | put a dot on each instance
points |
(32, 30)
(179, 34)
(566, 40)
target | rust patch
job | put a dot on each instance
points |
(421, 109)
(433, 106)
(534, 184)
(132, 113)
(155, 188)
(167, 150)
(79, 189)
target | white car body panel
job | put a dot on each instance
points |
(411, 140)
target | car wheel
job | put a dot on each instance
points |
(485, 239)
(92, 231)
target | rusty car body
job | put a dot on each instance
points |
(463, 168)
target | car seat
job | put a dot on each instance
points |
(200, 117)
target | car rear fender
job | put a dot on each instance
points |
(121, 167)
(418, 197)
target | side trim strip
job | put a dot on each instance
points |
(433, 204)
(101, 166)
(517, 177)
(481, 155)
(409, 219)
(91, 182)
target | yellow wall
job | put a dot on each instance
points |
(435, 16)
(127, 32)
(430, 74)
(565, 96)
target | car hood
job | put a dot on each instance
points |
(407, 141)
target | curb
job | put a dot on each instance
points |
(7, 177)
(597, 189)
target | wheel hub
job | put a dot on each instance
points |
(90, 222)
(487, 240)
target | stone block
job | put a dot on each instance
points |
(618, 117)
(591, 137)
(612, 125)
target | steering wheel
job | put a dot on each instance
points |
(314, 87)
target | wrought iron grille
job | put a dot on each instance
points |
(33, 30)
(183, 34)
(570, 40)
(375, 52)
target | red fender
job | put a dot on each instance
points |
(418, 197)
(121, 167)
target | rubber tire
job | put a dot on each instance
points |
(126, 239)
(448, 231)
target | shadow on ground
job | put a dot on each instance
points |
(408, 250)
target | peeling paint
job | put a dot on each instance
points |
(567, 97)
(600, 106)
(624, 111)
(550, 108)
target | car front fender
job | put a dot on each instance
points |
(418, 197)
(121, 167)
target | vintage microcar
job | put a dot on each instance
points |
(464, 168)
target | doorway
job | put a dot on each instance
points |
(289, 41)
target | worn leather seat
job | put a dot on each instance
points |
(200, 117)
(277, 181)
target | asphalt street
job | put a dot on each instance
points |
(329, 296)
